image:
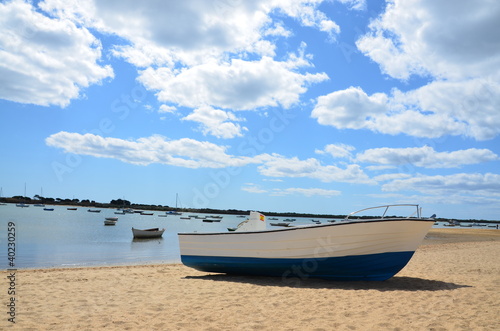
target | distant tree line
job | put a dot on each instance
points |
(120, 202)
(47, 200)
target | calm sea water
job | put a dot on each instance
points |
(66, 238)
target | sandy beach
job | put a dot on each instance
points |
(451, 283)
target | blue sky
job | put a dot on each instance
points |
(304, 106)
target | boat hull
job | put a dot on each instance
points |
(358, 250)
(357, 267)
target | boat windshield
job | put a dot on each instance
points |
(386, 211)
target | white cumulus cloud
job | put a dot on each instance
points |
(337, 150)
(239, 85)
(444, 39)
(308, 192)
(185, 152)
(426, 157)
(216, 122)
(198, 53)
(280, 166)
(167, 109)
(351, 108)
(45, 61)
(469, 184)
(454, 46)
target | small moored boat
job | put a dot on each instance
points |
(147, 233)
(110, 220)
(369, 248)
(173, 212)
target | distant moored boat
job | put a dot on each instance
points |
(147, 233)
(110, 220)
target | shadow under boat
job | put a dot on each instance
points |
(393, 284)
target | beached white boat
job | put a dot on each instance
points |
(110, 220)
(147, 233)
(353, 249)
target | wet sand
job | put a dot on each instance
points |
(451, 283)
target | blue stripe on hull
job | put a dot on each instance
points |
(359, 267)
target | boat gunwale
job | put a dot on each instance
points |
(311, 226)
